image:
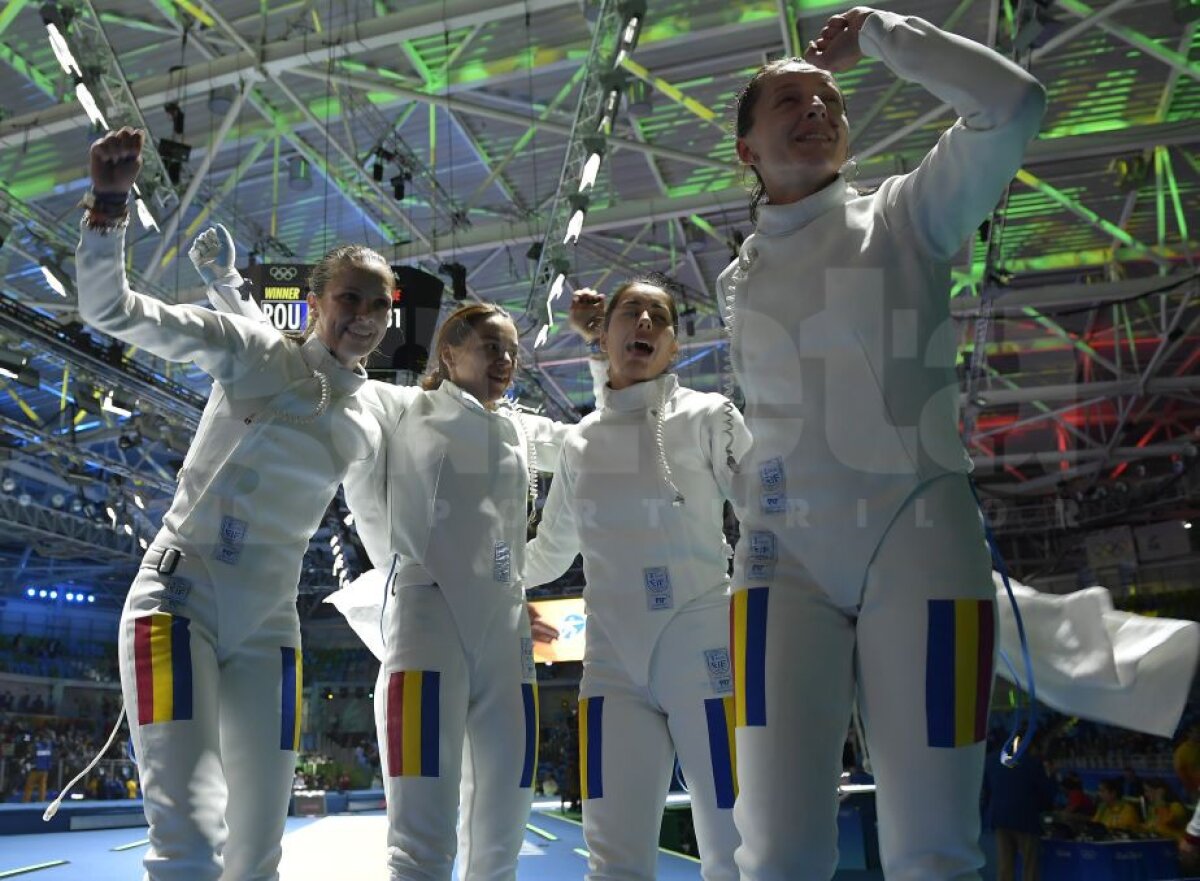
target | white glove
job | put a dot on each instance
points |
(213, 254)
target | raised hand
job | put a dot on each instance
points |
(586, 314)
(213, 254)
(115, 161)
(836, 48)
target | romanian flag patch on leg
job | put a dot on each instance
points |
(162, 657)
(719, 713)
(413, 724)
(529, 701)
(748, 644)
(958, 671)
(292, 682)
(591, 725)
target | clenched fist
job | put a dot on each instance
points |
(586, 315)
(115, 161)
(213, 254)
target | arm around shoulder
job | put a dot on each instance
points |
(366, 482)
(557, 543)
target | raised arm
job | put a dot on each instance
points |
(546, 435)
(557, 543)
(221, 345)
(999, 106)
(214, 255)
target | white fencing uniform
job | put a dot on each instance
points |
(209, 638)
(862, 560)
(656, 673)
(442, 508)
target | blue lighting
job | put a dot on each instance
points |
(30, 592)
(70, 597)
(54, 594)
(91, 599)
(42, 594)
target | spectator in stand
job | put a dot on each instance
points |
(1187, 762)
(1014, 799)
(1189, 845)
(1165, 816)
(1114, 812)
(549, 786)
(39, 774)
(1134, 787)
(131, 787)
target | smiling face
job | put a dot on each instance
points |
(351, 313)
(639, 334)
(483, 363)
(792, 129)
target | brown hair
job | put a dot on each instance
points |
(651, 280)
(454, 331)
(744, 104)
(329, 266)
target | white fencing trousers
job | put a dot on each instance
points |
(921, 652)
(629, 736)
(211, 679)
(458, 729)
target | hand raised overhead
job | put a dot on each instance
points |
(115, 161)
(586, 315)
(213, 254)
(836, 48)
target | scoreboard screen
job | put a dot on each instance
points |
(281, 291)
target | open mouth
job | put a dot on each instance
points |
(814, 137)
(640, 347)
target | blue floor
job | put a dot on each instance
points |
(554, 851)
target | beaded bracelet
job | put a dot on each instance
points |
(105, 211)
(107, 203)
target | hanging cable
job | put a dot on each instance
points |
(1018, 741)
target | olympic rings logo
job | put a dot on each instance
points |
(283, 273)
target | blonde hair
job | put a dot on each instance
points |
(454, 331)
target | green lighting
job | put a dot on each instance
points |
(27, 70)
(1085, 128)
(30, 188)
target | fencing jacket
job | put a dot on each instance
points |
(839, 312)
(644, 558)
(266, 460)
(444, 499)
